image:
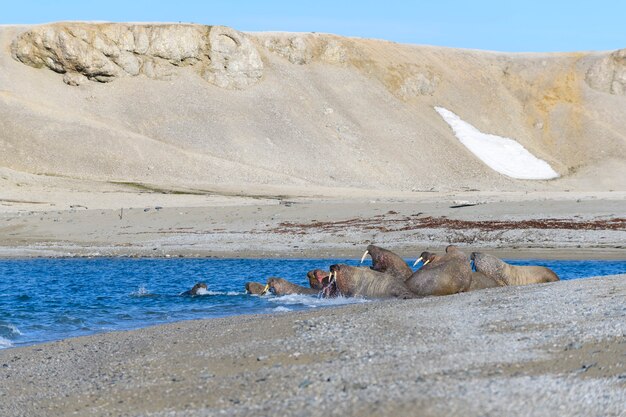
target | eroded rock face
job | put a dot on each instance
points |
(303, 49)
(295, 48)
(609, 74)
(104, 52)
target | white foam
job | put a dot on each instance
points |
(142, 291)
(5, 343)
(202, 291)
(13, 330)
(313, 301)
(504, 155)
(211, 292)
(280, 309)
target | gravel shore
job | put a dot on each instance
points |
(529, 225)
(539, 350)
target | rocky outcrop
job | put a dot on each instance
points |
(303, 49)
(297, 48)
(609, 74)
(104, 52)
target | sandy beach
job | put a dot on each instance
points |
(539, 350)
(565, 225)
(185, 140)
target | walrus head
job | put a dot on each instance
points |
(199, 288)
(331, 288)
(452, 250)
(426, 257)
(380, 257)
(318, 278)
(488, 265)
(254, 288)
(342, 279)
(384, 260)
(275, 285)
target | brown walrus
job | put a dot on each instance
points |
(384, 260)
(481, 281)
(280, 286)
(506, 274)
(442, 275)
(318, 278)
(255, 288)
(352, 281)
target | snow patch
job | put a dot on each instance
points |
(501, 154)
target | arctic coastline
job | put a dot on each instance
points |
(536, 350)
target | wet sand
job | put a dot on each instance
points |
(539, 350)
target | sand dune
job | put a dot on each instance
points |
(327, 112)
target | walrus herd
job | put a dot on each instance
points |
(390, 276)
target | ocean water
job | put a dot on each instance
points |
(50, 299)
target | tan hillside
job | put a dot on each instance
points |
(211, 108)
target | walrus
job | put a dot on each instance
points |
(442, 275)
(280, 286)
(481, 281)
(506, 274)
(426, 257)
(384, 260)
(354, 281)
(255, 288)
(199, 289)
(318, 278)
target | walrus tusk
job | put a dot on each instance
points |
(426, 263)
(417, 261)
(364, 255)
(267, 287)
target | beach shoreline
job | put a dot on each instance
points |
(154, 225)
(535, 350)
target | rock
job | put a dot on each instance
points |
(295, 48)
(235, 62)
(420, 84)
(104, 52)
(334, 52)
(609, 73)
(74, 79)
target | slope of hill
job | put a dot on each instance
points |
(209, 107)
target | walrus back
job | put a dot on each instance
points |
(481, 281)
(507, 274)
(370, 283)
(536, 275)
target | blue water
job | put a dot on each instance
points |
(50, 299)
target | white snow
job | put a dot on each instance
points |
(501, 154)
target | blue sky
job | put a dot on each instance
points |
(516, 26)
